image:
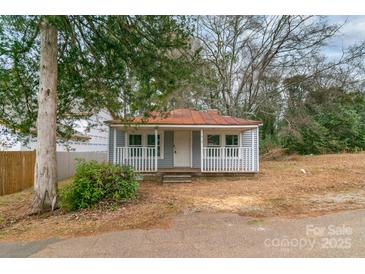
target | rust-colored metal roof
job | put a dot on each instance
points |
(188, 117)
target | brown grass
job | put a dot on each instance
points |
(329, 183)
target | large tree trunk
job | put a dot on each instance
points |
(45, 178)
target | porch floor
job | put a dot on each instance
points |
(179, 170)
(196, 172)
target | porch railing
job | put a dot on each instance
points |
(228, 159)
(215, 159)
(140, 158)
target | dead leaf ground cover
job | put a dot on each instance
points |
(294, 187)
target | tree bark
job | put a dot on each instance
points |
(45, 178)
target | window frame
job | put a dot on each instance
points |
(144, 140)
(223, 142)
(129, 140)
(238, 140)
(158, 143)
(235, 152)
(219, 140)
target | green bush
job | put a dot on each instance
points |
(95, 182)
(268, 144)
(334, 126)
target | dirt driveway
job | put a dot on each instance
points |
(298, 186)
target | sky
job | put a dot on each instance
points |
(352, 32)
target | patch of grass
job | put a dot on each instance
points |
(170, 205)
(279, 202)
(2, 219)
(255, 222)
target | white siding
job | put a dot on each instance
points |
(250, 138)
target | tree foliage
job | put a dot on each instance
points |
(326, 123)
(125, 64)
(271, 68)
(252, 55)
(274, 68)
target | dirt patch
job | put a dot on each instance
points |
(329, 183)
(275, 154)
(147, 211)
(232, 204)
(343, 200)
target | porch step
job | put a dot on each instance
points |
(176, 178)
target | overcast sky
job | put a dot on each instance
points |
(351, 33)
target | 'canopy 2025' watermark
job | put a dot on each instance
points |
(324, 237)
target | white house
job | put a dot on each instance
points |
(92, 136)
(186, 140)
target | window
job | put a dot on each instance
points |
(232, 144)
(151, 143)
(135, 140)
(231, 140)
(213, 140)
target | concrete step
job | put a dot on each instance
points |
(181, 178)
(176, 181)
(177, 176)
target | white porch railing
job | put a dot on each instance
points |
(228, 159)
(140, 158)
(215, 159)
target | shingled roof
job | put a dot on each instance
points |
(188, 117)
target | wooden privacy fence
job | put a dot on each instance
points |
(16, 171)
(17, 167)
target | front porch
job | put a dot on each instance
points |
(194, 151)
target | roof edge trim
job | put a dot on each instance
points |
(184, 126)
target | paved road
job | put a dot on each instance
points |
(216, 235)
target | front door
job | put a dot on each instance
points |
(182, 148)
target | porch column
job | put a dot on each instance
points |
(156, 152)
(253, 149)
(257, 149)
(201, 149)
(115, 145)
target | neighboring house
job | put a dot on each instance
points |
(187, 140)
(92, 136)
(80, 142)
